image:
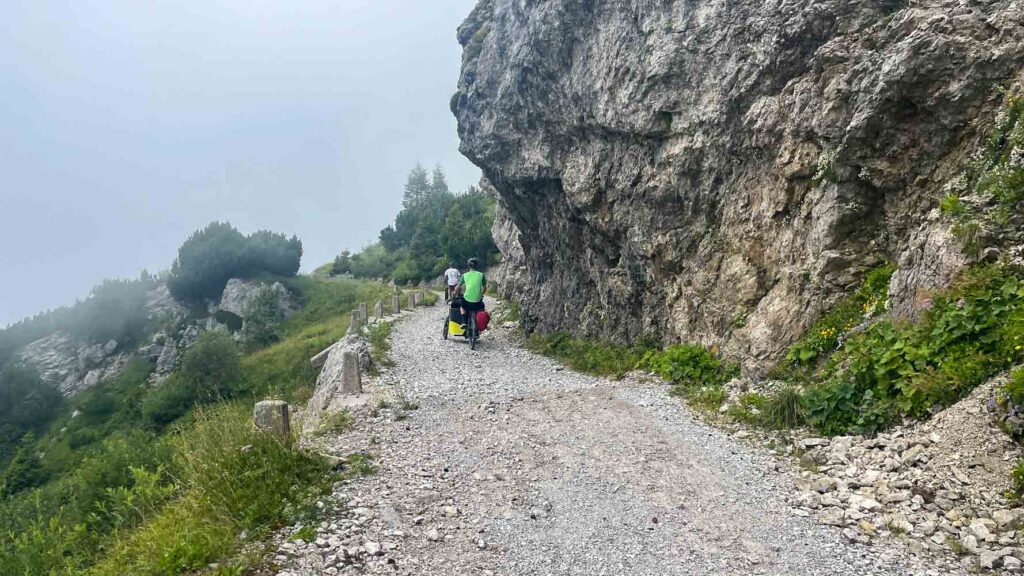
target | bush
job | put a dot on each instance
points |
(1017, 481)
(215, 254)
(378, 335)
(263, 319)
(690, 365)
(210, 371)
(1015, 387)
(25, 401)
(894, 370)
(826, 335)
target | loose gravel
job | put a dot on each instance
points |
(514, 466)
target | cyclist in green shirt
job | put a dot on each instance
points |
(472, 286)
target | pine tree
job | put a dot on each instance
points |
(417, 187)
(438, 183)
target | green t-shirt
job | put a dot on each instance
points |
(474, 283)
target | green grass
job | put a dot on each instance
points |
(377, 335)
(588, 356)
(232, 479)
(117, 493)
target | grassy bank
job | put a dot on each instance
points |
(131, 479)
(856, 370)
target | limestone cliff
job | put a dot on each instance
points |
(720, 171)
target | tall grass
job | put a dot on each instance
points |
(125, 496)
(233, 480)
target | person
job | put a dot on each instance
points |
(452, 274)
(472, 287)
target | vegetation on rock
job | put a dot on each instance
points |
(215, 254)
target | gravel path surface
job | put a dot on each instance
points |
(514, 466)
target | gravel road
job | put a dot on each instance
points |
(514, 466)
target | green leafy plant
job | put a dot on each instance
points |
(825, 336)
(690, 365)
(893, 370)
(377, 335)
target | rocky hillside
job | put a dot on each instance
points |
(723, 172)
(73, 365)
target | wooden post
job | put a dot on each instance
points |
(378, 310)
(363, 316)
(396, 304)
(354, 324)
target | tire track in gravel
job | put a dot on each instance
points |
(513, 466)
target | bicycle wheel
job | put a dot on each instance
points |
(472, 330)
(446, 322)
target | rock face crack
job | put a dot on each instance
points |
(668, 167)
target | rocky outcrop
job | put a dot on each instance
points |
(72, 366)
(335, 372)
(239, 294)
(722, 172)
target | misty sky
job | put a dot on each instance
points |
(126, 125)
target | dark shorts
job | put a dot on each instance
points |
(472, 306)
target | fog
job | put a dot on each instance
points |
(126, 125)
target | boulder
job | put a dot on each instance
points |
(239, 294)
(343, 363)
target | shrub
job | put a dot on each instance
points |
(171, 400)
(263, 319)
(1017, 481)
(993, 182)
(25, 401)
(1015, 387)
(212, 366)
(749, 408)
(690, 365)
(215, 254)
(210, 371)
(378, 335)
(115, 310)
(709, 398)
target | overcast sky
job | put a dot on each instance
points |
(126, 125)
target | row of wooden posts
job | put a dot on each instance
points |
(274, 416)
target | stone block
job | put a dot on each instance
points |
(273, 417)
(351, 380)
